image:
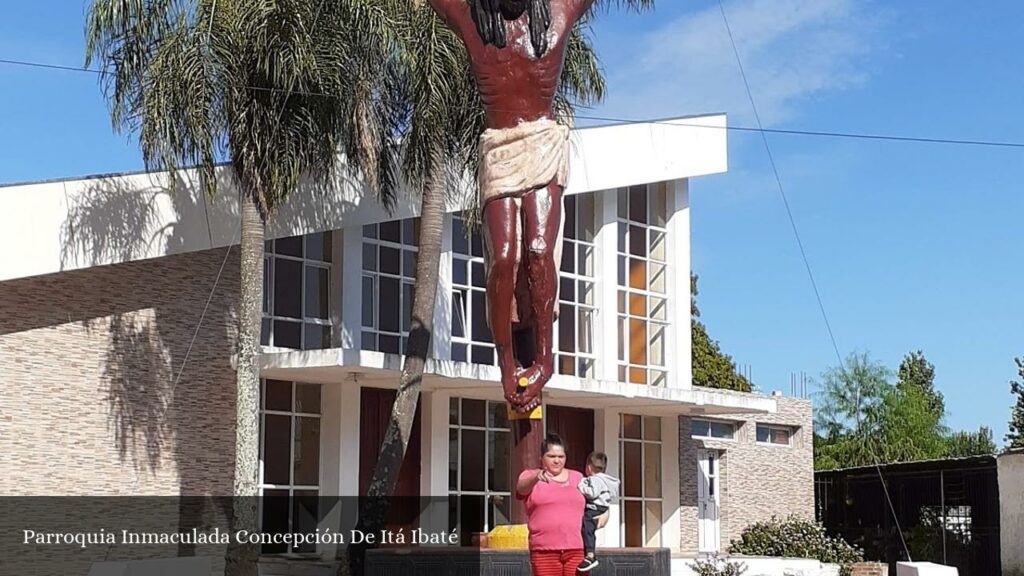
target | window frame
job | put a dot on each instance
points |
(643, 499)
(404, 280)
(293, 418)
(584, 363)
(269, 317)
(486, 493)
(735, 429)
(791, 431)
(464, 346)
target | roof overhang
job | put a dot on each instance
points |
(379, 370)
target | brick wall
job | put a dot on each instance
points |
(756, 481)
(88, 359)
(870, 569)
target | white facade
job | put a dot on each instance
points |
(609, 164)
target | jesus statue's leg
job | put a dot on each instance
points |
(500, 221)
(542, 222)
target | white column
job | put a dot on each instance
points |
(680, 361)
(606, 439)
(338, 288)
(351, 286)
(670, 532)
(330, 464)
(606, 283)
(441, 343)
(434, 464)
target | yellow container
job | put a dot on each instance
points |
(514, 537)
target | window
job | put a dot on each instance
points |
(775, 435)
(471, 337)
(289, 460)
(642, 281)
(713, 429)
(640, 471)
(389, 275)
(478, 466)
(296, 292)
(574, 351)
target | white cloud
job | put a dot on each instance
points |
(791, 50)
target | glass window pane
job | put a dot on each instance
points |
(722, 430)
(474, 412)
(481, 333)
(622, 342)
(291, 246)
(288, 288)
(637, 274)
(305, 517)
(657, 245)
(638, 305)
(656, 344)
(479, 278)
(569, 209)
(370, 257)
(500, 510)
(637, 342)
(368, 298)
(568, 257)
(409, 263)
(409, 231)
(471, 516)
(483, 355)
(566, 328)
(659, 308)
(658, 378)
(631, 427)
(460, 245)
(476, 245)
(459, 352)
(763, 434)
(621, 270)
(459, 274)
(586, 331)
(307, 398)
(699, 427)
(318, 246)
(637, 241)
(389, 313)
(275, 518)
(623, 203)
(652, 428)
(652, 470)
(498, 473)
(637, 376)
(391, 231)
(622, 301)
(659, 205)
(585, 211)
(453, 457)
(316, 337)
(277, 431)
(369, 231)
(638, 203)
(268, 264)
(317, 292)
(567, 289)
(277, 395)
(652, 524)
(368, 341)
(634, 523)
(632, 470)
(307, 451)
(586, 260)
(472, 466)
(497, 415)
(388, 344)
(585, 292)
(622, 232)
(287, 334)
(659, 276)
(265, 332)
(458, 313)
(407, 296)
(453, 411)
(780, 436)
(389, 260)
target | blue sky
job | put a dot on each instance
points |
(913, 246)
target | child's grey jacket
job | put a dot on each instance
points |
(600, 489)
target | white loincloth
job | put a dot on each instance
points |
(514, 162)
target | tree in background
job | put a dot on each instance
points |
(1015, 436)
(711, 367)
(849, 406)
(960, 444)
(918, 372)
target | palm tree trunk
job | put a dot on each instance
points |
(241, 559)
(396, 440)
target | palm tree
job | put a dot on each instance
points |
(273, 89)
(439, 138)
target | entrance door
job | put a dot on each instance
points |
(374, 414)
(576, 427)
(708, 517)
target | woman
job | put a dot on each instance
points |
(554, 512)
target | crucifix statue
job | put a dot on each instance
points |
(517, 50)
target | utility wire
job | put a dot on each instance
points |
(665, 122)
(807, 265)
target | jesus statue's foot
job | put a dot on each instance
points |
(530, 382)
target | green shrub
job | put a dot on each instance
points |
(796, 538)
(717, 566)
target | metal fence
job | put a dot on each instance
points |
(947, 511)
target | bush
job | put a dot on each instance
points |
(717, 566)
(796, 538)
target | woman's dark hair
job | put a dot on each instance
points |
(549, 441)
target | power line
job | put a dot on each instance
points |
(807, 264)
(665, 122)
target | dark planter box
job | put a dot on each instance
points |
(476, 562)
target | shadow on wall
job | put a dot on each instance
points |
(166, 372)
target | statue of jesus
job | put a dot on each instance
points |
(517, 49)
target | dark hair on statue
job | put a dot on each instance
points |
(490, 16)
(549, 441)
